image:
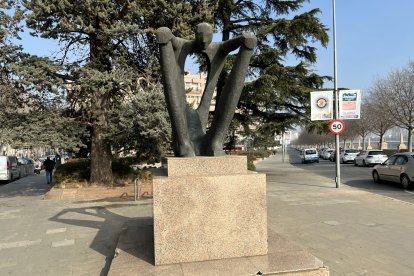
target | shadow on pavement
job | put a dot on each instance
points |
(142, 201)
(108, 224)
(375, 187)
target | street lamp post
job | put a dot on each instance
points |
(337, 164)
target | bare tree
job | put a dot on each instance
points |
(379, 122)
(395, 98)
(362, 127)
(312, 137)
(354, 129)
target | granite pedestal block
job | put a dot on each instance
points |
(205, 214)
(218, 213)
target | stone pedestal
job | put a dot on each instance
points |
(402, 147)
(209, 208)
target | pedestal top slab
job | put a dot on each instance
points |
(206, 165)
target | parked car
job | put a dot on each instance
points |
(9, 169)
(348, 156)
(398, 168)
(370, 158)
(309, 155)
(26, 166)
(22, 164)
(327, 153)
(320, 152)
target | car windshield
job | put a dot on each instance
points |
(352, 151)
(310, 152)
(375, 153)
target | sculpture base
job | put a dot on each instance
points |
(207, 217)
(135, 256)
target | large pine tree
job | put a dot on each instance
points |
(277, 94)
(106, 46)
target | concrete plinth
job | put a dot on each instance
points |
(135, 256)
(219, 213)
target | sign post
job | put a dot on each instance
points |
(337, 164)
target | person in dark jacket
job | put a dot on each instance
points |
(49, 165)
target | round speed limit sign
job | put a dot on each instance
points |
(337, 126)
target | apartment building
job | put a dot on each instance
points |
(194, 86)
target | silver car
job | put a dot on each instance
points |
(348, 156)
(370, 158)
(398, 168)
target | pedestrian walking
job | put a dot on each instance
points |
(58, 160)
(38, 167)
(49, 165)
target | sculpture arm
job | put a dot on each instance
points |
(164, 35)
(249, 41)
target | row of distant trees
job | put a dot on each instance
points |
(90, 94)
(388, 103)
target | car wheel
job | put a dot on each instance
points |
(355, 164)
(376, 177)
(317, 161)
(405, 181)
(363, 163)
(342, 161)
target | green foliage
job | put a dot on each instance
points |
(141, 123)
(107, 47)
(276, 93)
(79, 170)
(74, 171)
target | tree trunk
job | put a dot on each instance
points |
(101, 155)
(410, 137)
(101, 158)
(381, 140)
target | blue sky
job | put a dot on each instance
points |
(373, 38)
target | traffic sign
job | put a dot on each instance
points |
(337, 126)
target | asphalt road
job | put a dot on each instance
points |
(358, 177)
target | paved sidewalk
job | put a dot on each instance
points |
(352, 231)
(56, 237)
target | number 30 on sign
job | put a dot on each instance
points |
(337, 126)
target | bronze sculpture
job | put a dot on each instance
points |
(189, 126)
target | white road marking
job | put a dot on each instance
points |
(409, 192)
(18, 244)
(5, 265)
(56, 230)
(332, 222)
(63, 243)
(10, 237)
(9, 214)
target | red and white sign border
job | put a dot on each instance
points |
(333, 130)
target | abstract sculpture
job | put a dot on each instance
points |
(189, 126)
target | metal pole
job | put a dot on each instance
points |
(337, 164)
(283, 146)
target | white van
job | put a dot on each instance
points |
(9, 169)
(309, 155)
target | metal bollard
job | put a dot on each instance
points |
(136, 189)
